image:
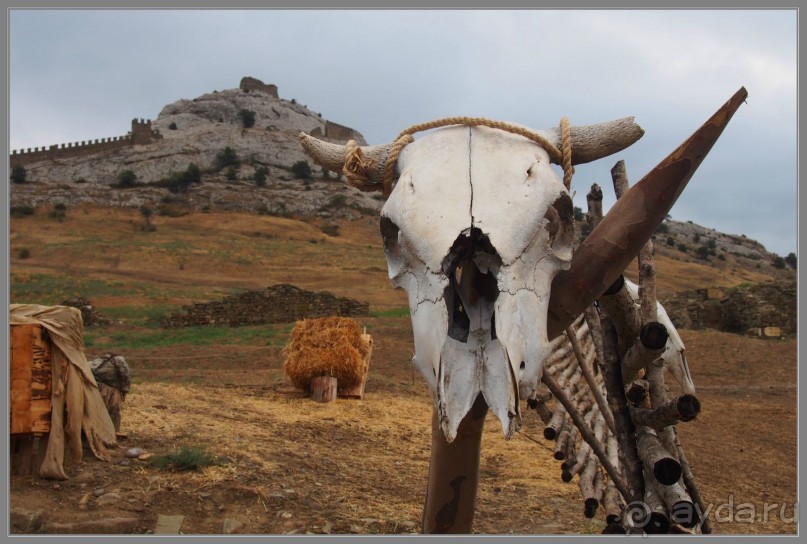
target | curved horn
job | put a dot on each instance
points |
(371, 160)
(593, 142)
(616, 241)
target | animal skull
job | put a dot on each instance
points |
(475, 230)
(478, 231)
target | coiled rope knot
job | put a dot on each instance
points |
(356, 167)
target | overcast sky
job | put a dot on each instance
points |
(84, 74)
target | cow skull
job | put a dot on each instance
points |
(478, 231)
(475, 230)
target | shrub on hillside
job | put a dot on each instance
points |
(127, 178)
(226, 157)
(18, 174)
(301, 170)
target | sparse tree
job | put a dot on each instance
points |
(59, 211)
(227, 157)
(247, 118)
(193, 174)
(791, 260)
(301, 170)
(18, 174)
(127, 178)
(260, 176)
(147, 213)
(778, 262)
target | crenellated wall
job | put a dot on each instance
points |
(141, 134)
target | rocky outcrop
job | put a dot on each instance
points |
(190, 131)
(277, 304)
(738, 309)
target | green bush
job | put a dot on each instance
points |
(791, 260)
(186, 458)
(778, 262)
(127, 178)
(59, 211)
(247, 118)
(193, 174)
(260, 176)
(663, 228)
(231, 174)
(172, 126)
(24, 253)
(337, 201)
(578, 214)
(18, 174)
(227, 157)
(21, 211)
(683, 247)
(670, 241)
(301, 170)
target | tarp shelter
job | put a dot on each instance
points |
(76, 402)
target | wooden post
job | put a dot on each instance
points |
(323, 388)
(625, 435)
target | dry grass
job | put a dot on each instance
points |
(329, 346)
(288, 464)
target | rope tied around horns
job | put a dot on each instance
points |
(356, 165)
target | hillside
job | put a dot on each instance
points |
(253, 121)
(286, 464)
(260, 128)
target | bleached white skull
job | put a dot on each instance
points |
(475, 230)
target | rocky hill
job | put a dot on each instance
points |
(252, 120)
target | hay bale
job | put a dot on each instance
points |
(329, 346)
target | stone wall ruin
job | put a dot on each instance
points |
(276, 304)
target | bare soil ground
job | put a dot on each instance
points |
(286, 464)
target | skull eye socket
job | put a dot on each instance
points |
(392, 247)
(560, 224)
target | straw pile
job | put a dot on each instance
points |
(330, 346)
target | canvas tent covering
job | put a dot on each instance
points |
(76, 402)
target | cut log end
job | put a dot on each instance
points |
(614, 529)
(667, 471)
(659, 524)
(590, 506)
(653, 335)
(688, 407)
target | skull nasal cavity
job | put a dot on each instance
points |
(471, 267)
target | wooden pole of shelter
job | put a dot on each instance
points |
(692, 486)
(588, 374)
(625, 432)
(586, 433)
(684, 408)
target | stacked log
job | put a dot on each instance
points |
(607, 408)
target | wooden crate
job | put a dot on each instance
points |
(30, 386)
